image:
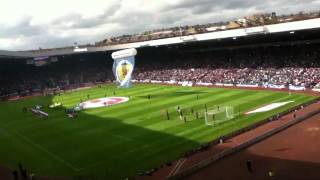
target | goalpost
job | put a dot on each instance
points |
(218, 115)
(229, 112)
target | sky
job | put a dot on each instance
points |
(30, 24)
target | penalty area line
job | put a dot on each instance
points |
(38, 146)
(99, 163)
(120, 136)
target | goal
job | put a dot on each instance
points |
(219, 115)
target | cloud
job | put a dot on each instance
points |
(44, 23)
(77, 20)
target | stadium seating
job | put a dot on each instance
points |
(280, 66)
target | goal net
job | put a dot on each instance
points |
(219, 115)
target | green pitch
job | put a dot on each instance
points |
(125, 139)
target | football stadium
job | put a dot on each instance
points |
(225, 100)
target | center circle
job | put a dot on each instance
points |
(103, 102)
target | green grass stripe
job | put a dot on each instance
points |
(121, 140)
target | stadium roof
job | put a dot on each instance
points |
(289, 27)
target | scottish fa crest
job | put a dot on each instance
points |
(124, 70)
(123, 66)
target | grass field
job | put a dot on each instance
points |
(125, 139)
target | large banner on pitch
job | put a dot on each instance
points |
(123, 66)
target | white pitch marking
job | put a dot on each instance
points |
(46, 151)
(269, 107)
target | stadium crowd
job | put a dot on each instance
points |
(18, 78)
(296, 65)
